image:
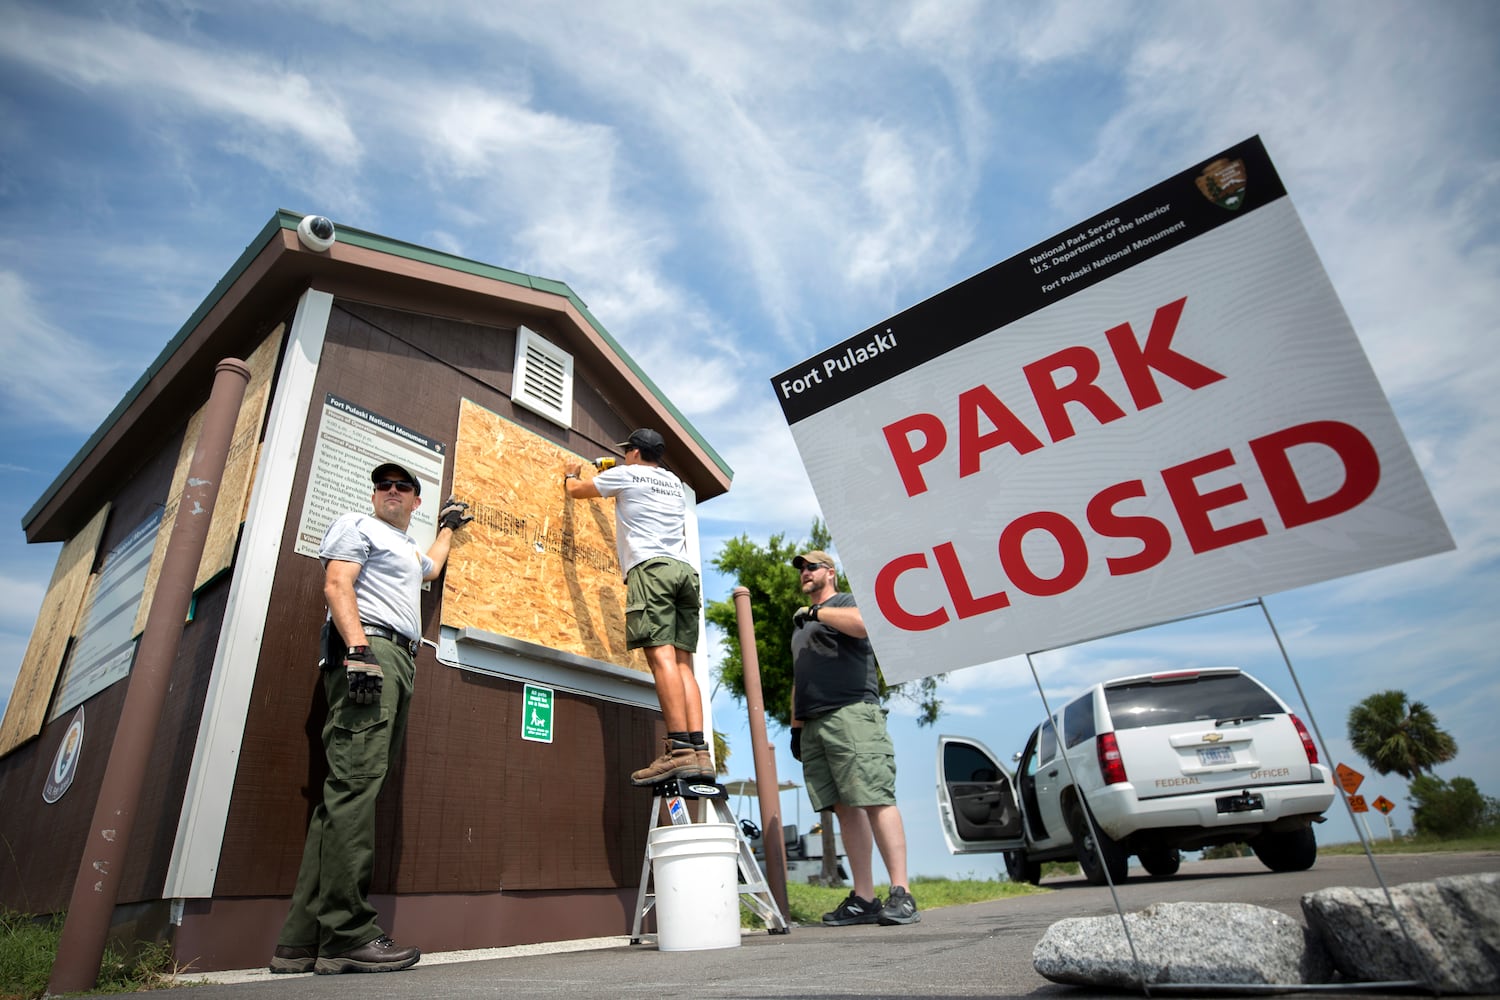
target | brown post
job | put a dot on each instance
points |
(767, 787)
(97, 887)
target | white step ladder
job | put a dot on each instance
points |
(674, 794)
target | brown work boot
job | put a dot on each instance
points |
(676, 762)
(380, 955)
(706, 764)
(290, 959)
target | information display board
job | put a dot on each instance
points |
(352, 441)
(1161, 410)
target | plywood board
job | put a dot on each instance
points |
(55, 624)
(534, 564)
(234, 486)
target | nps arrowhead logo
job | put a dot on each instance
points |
(1223, 183)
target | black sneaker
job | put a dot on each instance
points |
(854, 910)
(899, 909)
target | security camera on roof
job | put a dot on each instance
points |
(315, 232)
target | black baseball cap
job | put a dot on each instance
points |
(390, 470)
(647, 440)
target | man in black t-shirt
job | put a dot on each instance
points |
(839, 735)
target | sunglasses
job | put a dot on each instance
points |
(399, 485)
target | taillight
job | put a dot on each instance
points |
(1308, 746)
(1110, 764)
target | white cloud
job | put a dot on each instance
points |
(118, 62)
(20, 597)
(42, 358)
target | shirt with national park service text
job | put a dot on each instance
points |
(650, 513)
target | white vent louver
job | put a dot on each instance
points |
(544, 378)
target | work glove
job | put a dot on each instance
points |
(797, 744)
(364, 675)
(799, 619)
(454, 514)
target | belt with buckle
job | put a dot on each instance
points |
(381, 632)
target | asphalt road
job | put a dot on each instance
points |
(979, 950)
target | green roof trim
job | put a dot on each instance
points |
(284, 219)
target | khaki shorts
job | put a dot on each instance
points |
(848, 758)
(662, 601)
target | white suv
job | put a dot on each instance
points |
(1163, 762)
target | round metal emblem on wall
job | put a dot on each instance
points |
(65, 764)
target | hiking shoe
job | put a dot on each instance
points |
(854, 910)
(287, 958)
(677, 762)
(706, 764)
(380, 955)
(900, 908)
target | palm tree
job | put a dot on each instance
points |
(1394, 735)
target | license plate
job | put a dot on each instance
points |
(1215, 755)
(1240, 803)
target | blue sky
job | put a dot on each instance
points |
(732, 187)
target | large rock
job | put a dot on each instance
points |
(1454, 922)
(1218, 943)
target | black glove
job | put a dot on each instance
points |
(454, 514)
(797, 744)
(363, 672)
(799, 619)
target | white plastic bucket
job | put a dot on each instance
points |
(697, 870)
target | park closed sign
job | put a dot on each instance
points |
(1161, 410)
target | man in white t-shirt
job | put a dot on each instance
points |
(663, 596)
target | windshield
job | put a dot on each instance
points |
(1209, 698)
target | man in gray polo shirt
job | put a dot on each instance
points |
(372, 583)
(663, 596)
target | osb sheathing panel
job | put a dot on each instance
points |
(55, 624)
(234, 486)
(535, 564)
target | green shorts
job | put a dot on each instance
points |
(662, 601)
(848, 758)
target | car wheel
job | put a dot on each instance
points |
(1160, 862)
(1290, 851)
(1115, 861)
(1021, 868)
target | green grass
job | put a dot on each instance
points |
(1484, 840)
(29, 944)
(808, 903)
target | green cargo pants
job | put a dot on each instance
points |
(330, 909)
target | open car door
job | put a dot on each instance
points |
(976, 799)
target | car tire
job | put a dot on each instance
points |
(1020, 867)
(1116, 862)
(1288, 851)
(1160, 862)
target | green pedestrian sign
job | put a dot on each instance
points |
(536, 717)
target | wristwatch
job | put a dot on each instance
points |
(571, 475)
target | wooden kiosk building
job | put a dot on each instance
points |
(511, 818)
